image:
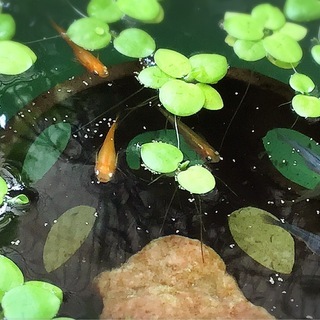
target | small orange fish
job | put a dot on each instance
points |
(201, 146)
(106, 162)
(87, 59)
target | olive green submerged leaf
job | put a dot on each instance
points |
(134, 43)
(45, 151)
(213, 100)
(153, 77)
(181, 98)
(3, 189)
(161, 157)
(301, 83)
(294, 155)
(7, 26)
(269, 245)
(105, 10)
(89, 33)
(196, 179)
(306, 106)
(295, 31)
(15, 57)
(249, 50)
(67, 235)
(315, 53)
(302, 10)
(144, 10)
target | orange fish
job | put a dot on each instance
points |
(106, 162)
(87, 59)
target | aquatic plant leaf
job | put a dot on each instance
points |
(315, 53)
(249, 50)
(15, 57)
(301, 10)
(172, 63)
(301, 82)
(19, 200)
(243, 26)
(282, 64)
(134, 43)
(230, 41)
(11, 275)
(282, 47)
(306, 106)
(208, 68)
(213, 100)
(45, 150)
(272, 16)
(181, 98)
(140, 9)
(282, 146)
(164, 135)
(196, 179)
(107, 11)
(7, 26)
(161, 157)
(89, 33)
(30, 302)
(153, 77)
(294, 30)
(3, 189)
(47, 286)
(269, 245)
(67, 235)
(158, 18)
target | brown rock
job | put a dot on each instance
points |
(168, 279)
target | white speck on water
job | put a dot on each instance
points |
(66, 116)
(16, 243)
(284, 292)
(138, 228)
(85, 83)
(177, 231)
(309, 317)
(147, 231)
(280, 279)
(252, 130)
(109, 84)
(232, 245)
(96, 214)
(59, 90)
(86, 136)
(291, 299)
(144, 127)
(191, 199)
(46, 224)
(69, 90)
(54, 119)
(54, 221)
(257, 108)
(233, 160)
(282, 201)
(101, 135)
(173, 219)
(318, 211)
(236, 93)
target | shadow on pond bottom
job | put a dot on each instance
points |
(132, 211)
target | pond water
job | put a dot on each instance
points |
(131, 211)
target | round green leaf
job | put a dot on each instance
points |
(282, 47)
(11, 275)
(158, 18)
(153, 77)
(30, 302)
(213, 100)
(208, 68)
(243, 26)
(140, 9)
(48, 286)
(15, 57)
(3, 189)
(181, 98)
(249, 50)
(302, 83)
(134, 43)
(197, 180)
(293, 30)
(7, 26)
(89, 33)
(106, 10)
(306, 106)
(272, 17)
(172, 63)
(302, 10)
(270, 245)
(161, 157)
(315, 52)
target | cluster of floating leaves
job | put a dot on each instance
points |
(184, 84)
(15, 57)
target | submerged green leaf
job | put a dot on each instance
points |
(302, 10)
(270, 245)
(3, 189)
(105, 10)
(67, 235)
(45, 150)
(7, 26)
(315, 52)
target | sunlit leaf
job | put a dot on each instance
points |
(158, 18)
(301, 82)
(19, 200)
(282, 64)
(315, 52)
(140, 9)
(45, 150)
(306, 106)
(153, 77)
(249, 50)
(294, 155)
(105, 10)
(197, 180)
(270, 245)
(134, 43)
(7, 26)
(161, 157)
(213, 100)
(295, 31)
(48, 286)
(3, 189)
(67, 235)
(302, 10)
(230, 41)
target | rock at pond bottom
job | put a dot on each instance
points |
(168, 279)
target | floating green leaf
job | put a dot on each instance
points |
(295, 31)
(282, 64)
(161, 157)
(30, 302)
(45, 151)
(249, 50)
(153, 77)
(181, 98)
(15, 57)
(213, 100)
(270, 245)
(294, 155)
(302, 10)
(89, 33)
(134, 43)
(172, 63)
(67, 235)
(301, 82)
(7, 26)
(315, 52)
(105, 10)
(19, 200)
(48, 286)
(196, 179)
(306, 106)
(145, 10)
(3, 189)
(11, 275)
